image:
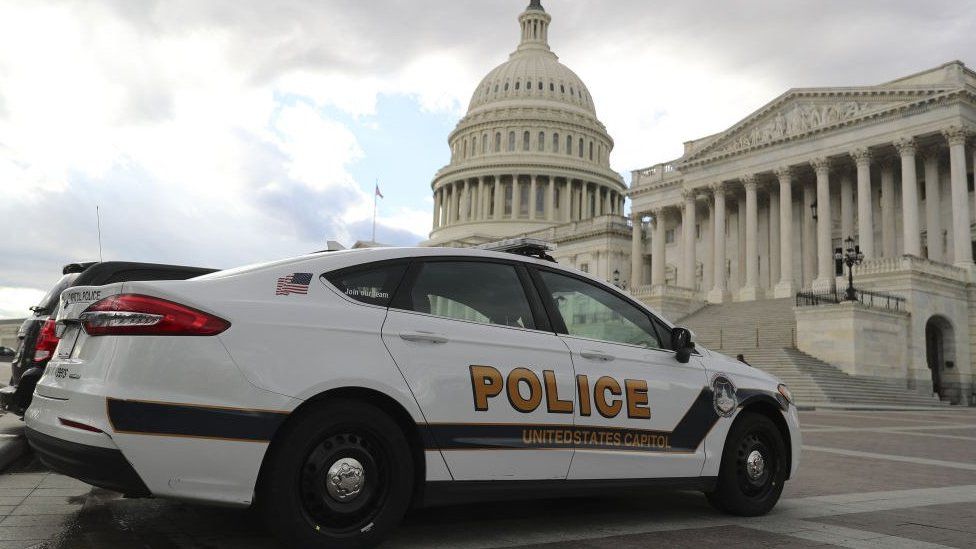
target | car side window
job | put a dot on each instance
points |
(371, 284)
(477, 291)
(592, 312)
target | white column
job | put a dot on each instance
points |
(962, 247)
(750, 290)
(720, 291)
(846, 205)
(582, 211)
(825, 250)
(889, 244)
(437, 209)
(566, 199)
(774, 245)
(533, 197)
(785, 287)
(688, 222)
(708, 255)
(550, 205)
(909, 197)
(865, 202)
(499, 205)
(659, 260)
(463, 200)
(740, 257)
(809, 235)
(516, 197)
(933, 201)
(636, 251)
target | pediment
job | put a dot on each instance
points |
(798, 113)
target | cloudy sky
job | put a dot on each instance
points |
(223, 132)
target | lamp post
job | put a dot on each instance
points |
(852, 256)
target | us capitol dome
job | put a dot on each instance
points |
(530, 153)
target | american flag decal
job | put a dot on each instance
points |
(294, 284)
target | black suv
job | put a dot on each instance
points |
(37, 338)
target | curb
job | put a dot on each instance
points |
(13, 445)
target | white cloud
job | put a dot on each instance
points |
(15, 302)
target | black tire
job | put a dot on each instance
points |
(739, 491)
(293, 495)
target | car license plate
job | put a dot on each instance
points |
(67, 343)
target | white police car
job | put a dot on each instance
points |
(336, 390)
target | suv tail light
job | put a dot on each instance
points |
(47, 341)
(134, 314)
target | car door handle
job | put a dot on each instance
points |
(597, 355)
(426, 337)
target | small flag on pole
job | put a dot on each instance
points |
(378, 193)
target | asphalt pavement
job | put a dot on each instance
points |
(868, 479)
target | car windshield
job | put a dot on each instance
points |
(46, 306)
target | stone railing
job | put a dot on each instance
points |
(658, 172)
(644, 290)
(584, 227)
(906, 263)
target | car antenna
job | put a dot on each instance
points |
(98, 223)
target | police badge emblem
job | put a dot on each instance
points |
(724, 396)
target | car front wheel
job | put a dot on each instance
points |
(753, 469)
(339, 475)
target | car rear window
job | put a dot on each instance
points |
(372, 284)
(50, 300)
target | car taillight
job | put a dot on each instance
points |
(46, 342)
(134, 314)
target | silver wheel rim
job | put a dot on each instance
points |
(345, 479)
(755, 464)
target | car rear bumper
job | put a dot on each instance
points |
(103, 467)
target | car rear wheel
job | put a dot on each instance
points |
(339, 475)
(753, 468)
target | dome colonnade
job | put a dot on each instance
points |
(530, 153)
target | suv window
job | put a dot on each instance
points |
(50, 302)
(592, 312)
(490, 293)
(370, 284)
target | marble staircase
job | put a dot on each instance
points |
(764, 332)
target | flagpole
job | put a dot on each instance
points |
(377, 186)
(98, 222)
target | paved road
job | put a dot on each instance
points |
(868, 480)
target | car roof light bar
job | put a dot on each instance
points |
(525, 246)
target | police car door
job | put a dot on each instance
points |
(637, 405)
(477, 351)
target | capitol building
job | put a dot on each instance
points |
(743, 237)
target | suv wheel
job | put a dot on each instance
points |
(339, 475)
(753, 468)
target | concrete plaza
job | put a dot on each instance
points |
(868, 479)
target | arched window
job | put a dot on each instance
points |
(511, 141)
(525, 141)
(552, 87)
(562, 88)
(569, 145)
(571, 92)
(496, 88)
(506, 86)
(484, 144)
(580, 153)
(540, 85)
(517, 83)
(542, 141)
(474, 146)
(555, 142)
(591, 151)
(498, 141)
(465, 153)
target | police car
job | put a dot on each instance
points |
(336, 390)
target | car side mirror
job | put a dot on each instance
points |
(682, 344)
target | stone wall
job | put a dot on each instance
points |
(860, 341)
